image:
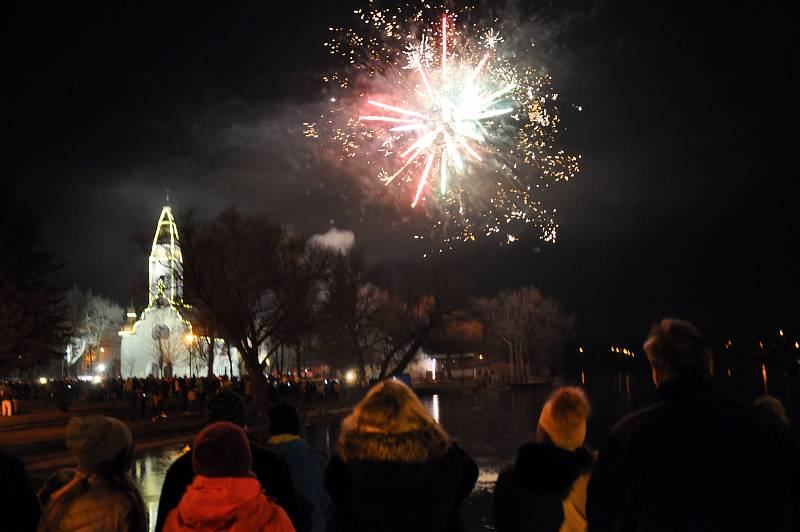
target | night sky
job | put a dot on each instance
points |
(685, 205)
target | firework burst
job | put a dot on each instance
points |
(446, 113)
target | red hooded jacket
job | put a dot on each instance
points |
(226, 503)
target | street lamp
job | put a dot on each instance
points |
(189, 338)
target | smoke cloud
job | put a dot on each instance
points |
(337, 239)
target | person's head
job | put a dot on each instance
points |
(677, 350)
(101, 444)
(563, 418)
(227, 406)
(390, 423)
(283, 419)
(773, 409)
(222, 449)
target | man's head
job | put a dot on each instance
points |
(677, 350)
(227, 406)
(283, 419)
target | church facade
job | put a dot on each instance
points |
(159, 341)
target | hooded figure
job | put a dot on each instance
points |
(396, 469)
(99, 495)
(270, 468)
(545, 490)
(225, 494)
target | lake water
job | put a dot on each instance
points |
(491, 425)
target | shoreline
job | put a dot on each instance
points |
(37, 437)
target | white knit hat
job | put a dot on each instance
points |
(563, 417)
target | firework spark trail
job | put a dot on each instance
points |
(428, 90)
(424, 178)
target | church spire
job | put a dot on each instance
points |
(166, 262)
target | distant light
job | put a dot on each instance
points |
(102, 349)
(96, 379)
(101, 368)
(350, 376)
(797, 345)
(780, 331)
(480, 357)
(580, 350)
(42, 380)
(189, 338)
(131, 314)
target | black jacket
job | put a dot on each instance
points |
(398, 496)
(694, 461)
(269, 467)
(19, 507)
(529, 495)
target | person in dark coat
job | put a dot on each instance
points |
(306, 465)
(695, 460)
(19, 506)
(225, 495)
(545, 490)
(396, 469)
(270, 468)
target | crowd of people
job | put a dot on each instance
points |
(694, 460)
(148, 396)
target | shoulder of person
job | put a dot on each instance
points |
(627, 427)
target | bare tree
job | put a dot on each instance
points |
(533, 328)
(169, 347)
(90, 317)
(129, 366)
(352, 304)
(419, 306)
(257, 280)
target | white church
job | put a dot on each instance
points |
(160, 341)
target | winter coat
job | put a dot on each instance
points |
(234, 504)
(95, 507)
(19, 507)
(307, 468)
(695, 460)
(380, 495)
(545, 490)
(269, 467)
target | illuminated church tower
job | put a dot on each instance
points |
(166, 263)
(160, 341)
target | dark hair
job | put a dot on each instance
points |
(676, 349)
(283, 419)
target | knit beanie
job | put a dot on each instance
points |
(227, 406)
(283, 419)
(222, 450)
(563, 417)
(97, 439)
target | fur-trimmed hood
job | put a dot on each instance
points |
(409, 447)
